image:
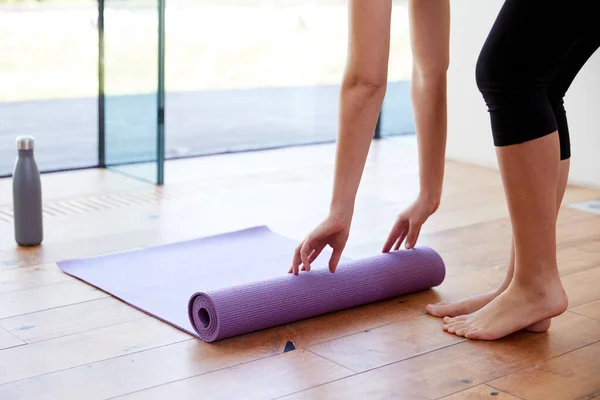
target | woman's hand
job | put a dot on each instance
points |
(408, 224)
(333, 231)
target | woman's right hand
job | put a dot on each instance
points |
(408, 224)
(333, 231)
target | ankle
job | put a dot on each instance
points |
(502, 287)
(548, 290)
(541, 285)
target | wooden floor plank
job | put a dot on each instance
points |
(8, 340)
(45, 297)
(32, 276)
(481, 392)
(579, 257)
(582, 287)
(18, 257)
(462, 238)
(590, 310)
(441, 221)
(73, 183)
(347, 322)
(148, 368)
(194, 357)
(67, 320)
(84, 247)
(71, 351)
(262, 379)
(138, 371)
(575, 375)
(388, 344)
(579, 231)
(574, 258)
(461, 366)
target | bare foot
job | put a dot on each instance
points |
(516, 308)
(539, 327)
(462, 307)
(474, 303)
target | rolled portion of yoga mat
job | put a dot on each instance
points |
(231, 311)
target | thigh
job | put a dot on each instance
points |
(530, 41)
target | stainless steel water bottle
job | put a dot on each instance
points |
(27, 195)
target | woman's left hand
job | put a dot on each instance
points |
(333, 231)
(408, 224)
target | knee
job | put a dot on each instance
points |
(518, 105)
(504, 80)
(492, 80)
(484, 75)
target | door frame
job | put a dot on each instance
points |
(160, 93)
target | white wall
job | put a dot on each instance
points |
(469, 132)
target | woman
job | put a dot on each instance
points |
(532, 54)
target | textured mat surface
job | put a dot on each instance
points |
(235, 283)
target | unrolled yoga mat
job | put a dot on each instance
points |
(235, 283)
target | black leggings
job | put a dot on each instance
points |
(532, 54)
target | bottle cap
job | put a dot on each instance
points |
(25, 142)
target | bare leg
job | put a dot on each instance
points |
(530, 174)
(474, 303)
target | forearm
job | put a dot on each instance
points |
(430, 34)
(361, 96)
(360, 103)
(430, 112)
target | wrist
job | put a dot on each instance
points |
(431, 199)
(341, 211)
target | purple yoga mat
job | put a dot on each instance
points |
(235, 283)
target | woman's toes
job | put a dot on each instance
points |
(452, 324)
(455, 327)
(460, 331)
(459, 319)
(435, 306)
(473, 333)
(437, 310)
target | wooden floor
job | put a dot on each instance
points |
(62, 339)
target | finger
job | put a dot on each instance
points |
(313, 255)
(316, 252)
(396, 231)
(297, 260)
(389, 242)
(311, 258)
(400, 240)
(413, 235)
(305, 251)
(335, 259)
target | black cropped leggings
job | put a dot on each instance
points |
(532, 54)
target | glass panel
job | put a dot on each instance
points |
(253, 74)
(48, 82)
(131, 76)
